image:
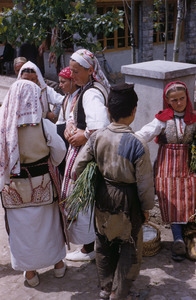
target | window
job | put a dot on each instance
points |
(119, 39)
(6, 4)
(160, 20)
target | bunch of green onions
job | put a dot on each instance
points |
(83, 195)
(193, 155)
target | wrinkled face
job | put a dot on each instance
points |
(30, 76)
(17, 68)
(65, 84)
(177, 100)
(80, 75)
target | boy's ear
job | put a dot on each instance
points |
(109, 115)
(134, 110)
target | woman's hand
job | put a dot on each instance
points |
(52, 117)
(69, 130)
(78, 138)
(74, 136)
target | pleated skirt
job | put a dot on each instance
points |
(175, 184)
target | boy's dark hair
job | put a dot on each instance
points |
(122, 100)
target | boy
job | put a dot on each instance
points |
(124, 195)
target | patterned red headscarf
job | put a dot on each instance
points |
(65, 73)
(168, 113)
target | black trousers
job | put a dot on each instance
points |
(115, 266)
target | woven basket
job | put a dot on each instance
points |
(152, 246)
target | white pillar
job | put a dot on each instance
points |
(150, 79)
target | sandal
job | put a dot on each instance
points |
(104, 294)
(59, 273)
(33, 282)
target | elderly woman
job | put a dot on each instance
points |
(18, 63)
(29, 151)
(88, 115)
(50, 98)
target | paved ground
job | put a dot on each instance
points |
(160, 277)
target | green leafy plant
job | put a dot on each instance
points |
(75, 20)
(83, 195)
(193, 155)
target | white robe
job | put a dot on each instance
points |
(96, 117)
(36, 236)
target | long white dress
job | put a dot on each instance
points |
(96, 117)
(36, 236)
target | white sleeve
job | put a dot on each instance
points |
(71, 117)
(149, 131)
(60, 118)
(95, 109)
(54, 97)
(54, 142)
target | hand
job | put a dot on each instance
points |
(78, 138)
(69, 130)
(51, 116)
(146, 215)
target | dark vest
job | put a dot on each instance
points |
(79, 115)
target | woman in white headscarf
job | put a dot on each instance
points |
(50, 97)
(29, 150)
(88, 115)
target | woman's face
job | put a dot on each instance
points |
(30, 76)
(65, 84)
(177, 100)
(17, 67)
(80, 75)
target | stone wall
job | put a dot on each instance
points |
(190, 32)
(146, 31)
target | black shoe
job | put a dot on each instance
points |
(179, 247)
(177, 257)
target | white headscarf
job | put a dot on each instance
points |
(30, 65)
(87, 59)
(41, 83)
(21, 107)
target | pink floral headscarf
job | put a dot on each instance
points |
(21, 107)
(86, 59)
